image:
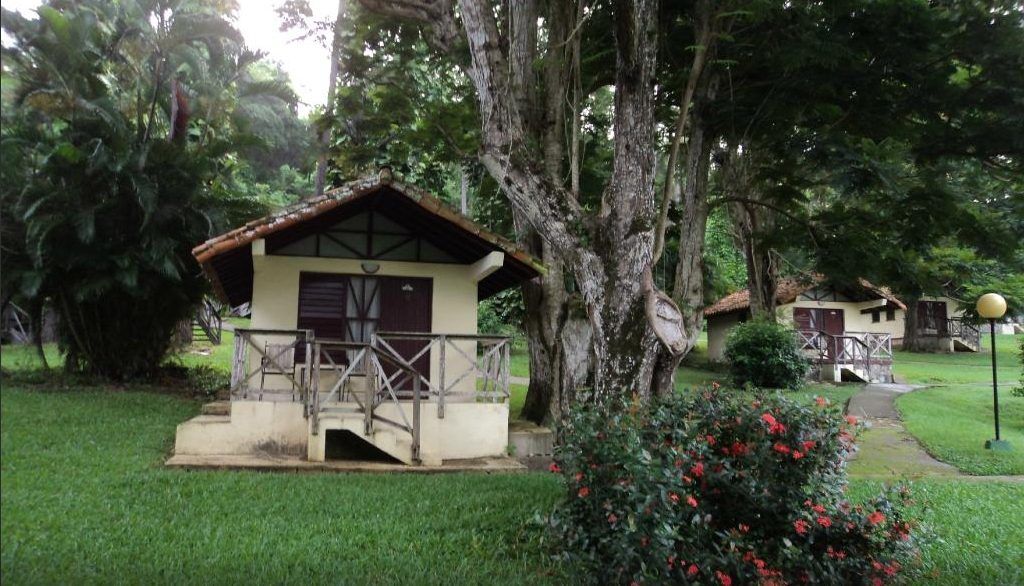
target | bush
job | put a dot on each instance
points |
(719, 489)
(765, 355)
(206, 381)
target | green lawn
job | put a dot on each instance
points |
(953, 418)
(961, 367)
(86, 500)
(954, 422)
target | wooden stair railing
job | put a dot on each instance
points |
(207, 321)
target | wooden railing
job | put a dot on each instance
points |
(966, 331)
(208, 321)
(858, 349)
(486, 357)
(362, 359)
(470, 367)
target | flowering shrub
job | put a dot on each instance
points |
(720, 489)
(765, 355)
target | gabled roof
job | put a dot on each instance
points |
(787, 292)
(227, 259)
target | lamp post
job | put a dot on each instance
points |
(992, 306)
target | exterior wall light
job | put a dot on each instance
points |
(992, 306)
(370, 267)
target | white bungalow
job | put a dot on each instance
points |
(364, 330)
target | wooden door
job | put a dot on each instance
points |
(835, 322)
(406, 307)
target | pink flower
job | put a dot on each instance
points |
(554, 468)
(697, 470)
(723, 578)
(808, 445)
(691, 501)
(583, 492)
(612, 519)
(821, 401)
(851, 419)
(673, 497)
(801, 526)
(692, 570)
(797, 455)
(824, 521)
(781, 448)
(876, 518)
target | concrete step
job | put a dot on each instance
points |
(217, 408)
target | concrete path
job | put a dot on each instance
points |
(886, 450)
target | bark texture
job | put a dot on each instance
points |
(751, 221)
(605, 252)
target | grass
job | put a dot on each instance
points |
(961, 367)
(86, 500)
(953, 418)
(954, 422)
(975, 529)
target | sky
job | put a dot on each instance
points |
(306, 61)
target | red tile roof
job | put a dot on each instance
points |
(787, 292)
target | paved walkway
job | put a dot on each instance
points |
(886, 450)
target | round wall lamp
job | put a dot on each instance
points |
(370, 267)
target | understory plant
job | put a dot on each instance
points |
(765, 354)
(719, 488)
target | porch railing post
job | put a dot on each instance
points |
(371, 389)
(442, 386)
(416, 419)
(506, 365)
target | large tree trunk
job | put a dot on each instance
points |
(607, 252)
(751, 221)
(323, 141)
(911, 332)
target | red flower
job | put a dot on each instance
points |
(851, 419)
(797, 455)
(821, 401)
(671, 561)
(801, 526)
(876, 581)
(578, 476)
(583, 492)
(554, 468)
(769, 419)
(612, 518)
(739, 449)
(710, 439)
(723, 578)
(818, 509)
(744, 528)
(673, 497)
(824, 521)
(876, 518)
(781, 448)
(808, 445)
(698, 469)
(692, 570)
(691, 501)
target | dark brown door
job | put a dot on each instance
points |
(835, 322)
(406, 307)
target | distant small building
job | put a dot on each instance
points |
(848, 331)
(364, 330)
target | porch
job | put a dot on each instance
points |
(942, 334)
(861, 356)
(419, 398)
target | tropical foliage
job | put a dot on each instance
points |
(765, 354)
(120, 144)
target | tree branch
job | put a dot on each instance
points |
(438, 14)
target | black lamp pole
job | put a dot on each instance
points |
(995, 384)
